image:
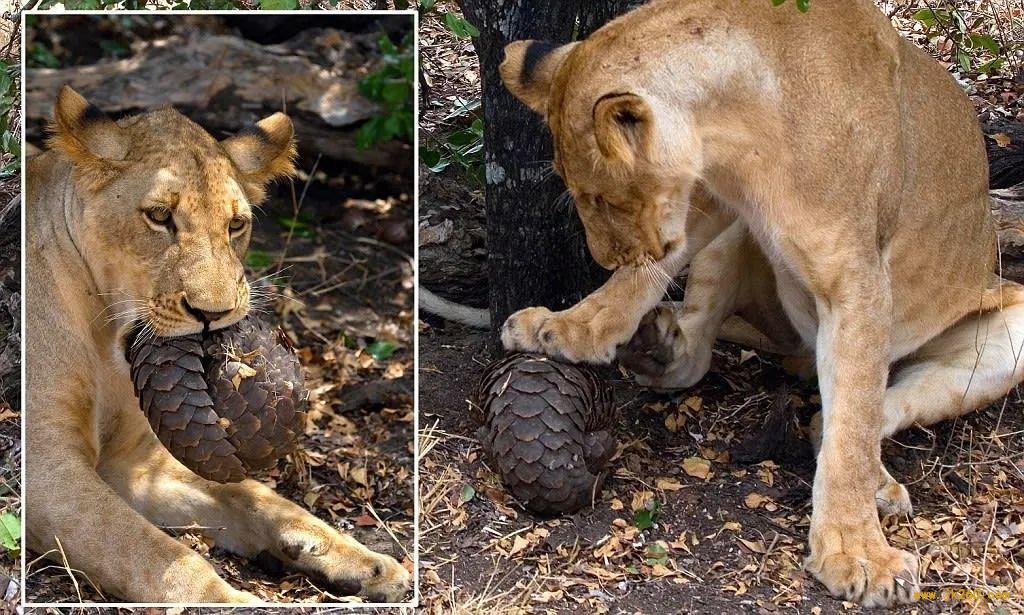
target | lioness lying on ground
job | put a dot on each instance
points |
(828, 181)
(147, 219)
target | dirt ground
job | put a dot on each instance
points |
(730, 526)
(336, 248)
(728, 535)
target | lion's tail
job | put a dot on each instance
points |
(449, 310)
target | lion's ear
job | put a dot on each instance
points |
(84, 133)
(623, 127)
(529, 70)
(265, 151)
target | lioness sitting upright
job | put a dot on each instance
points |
(828, 181)
(147, 219)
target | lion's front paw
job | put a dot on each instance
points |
(868, 572)
(344, 565)
(390, 581)
(567, 335)
(662, 355)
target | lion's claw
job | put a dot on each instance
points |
(881, 576)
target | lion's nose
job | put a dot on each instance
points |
(205, 315)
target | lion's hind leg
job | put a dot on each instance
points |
(247, 518)
(973, 363)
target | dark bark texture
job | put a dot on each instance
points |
(537, 252)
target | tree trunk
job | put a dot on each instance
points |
(537, 252)
(593, 15)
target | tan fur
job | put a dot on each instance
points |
(98, 481)
(828, 181)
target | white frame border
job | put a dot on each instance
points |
(415, 602)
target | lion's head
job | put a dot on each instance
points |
(164, 210)
(628, 161)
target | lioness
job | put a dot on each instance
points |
(146, 220)
(828, 181)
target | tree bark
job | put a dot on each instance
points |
(537, 252)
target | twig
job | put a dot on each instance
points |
(296, 207)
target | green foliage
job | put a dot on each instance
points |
(258, 259)
(381, 350)
(39, 56)
(969, 38)
(647, 516)
(392, 87)
(10, 142)
(459, 26)
(656, 554)
(802, 5)
(299, 226)
(456, 24)
(177, 5)
(10, 532)
(279, 5)
(463, 147)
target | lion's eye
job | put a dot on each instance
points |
(237, 224)
(159, 215)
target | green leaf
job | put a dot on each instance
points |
(958, 20)
(381, 350)
(656, 554)
(40, 56)
(964, 60)
(468, 493)
(369, 133)
(386, 46)
(299, 227)
(646, 517)
(10, 531)
(991, 67)
(434, 160)
(803, 5)
(985, 41)
(396, 92)
(258, 259)
(926, 17)
(778, 2)
(459, 26)
(427, 5)
(279, 5)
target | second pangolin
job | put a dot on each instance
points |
(225, 403)
(548, 429)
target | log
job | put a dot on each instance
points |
(453, 258)
(1004, 140)
(226, 83)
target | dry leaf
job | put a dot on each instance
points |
(755, 500)
(697, 467)
(667, 484)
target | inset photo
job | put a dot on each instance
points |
(219, 318)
